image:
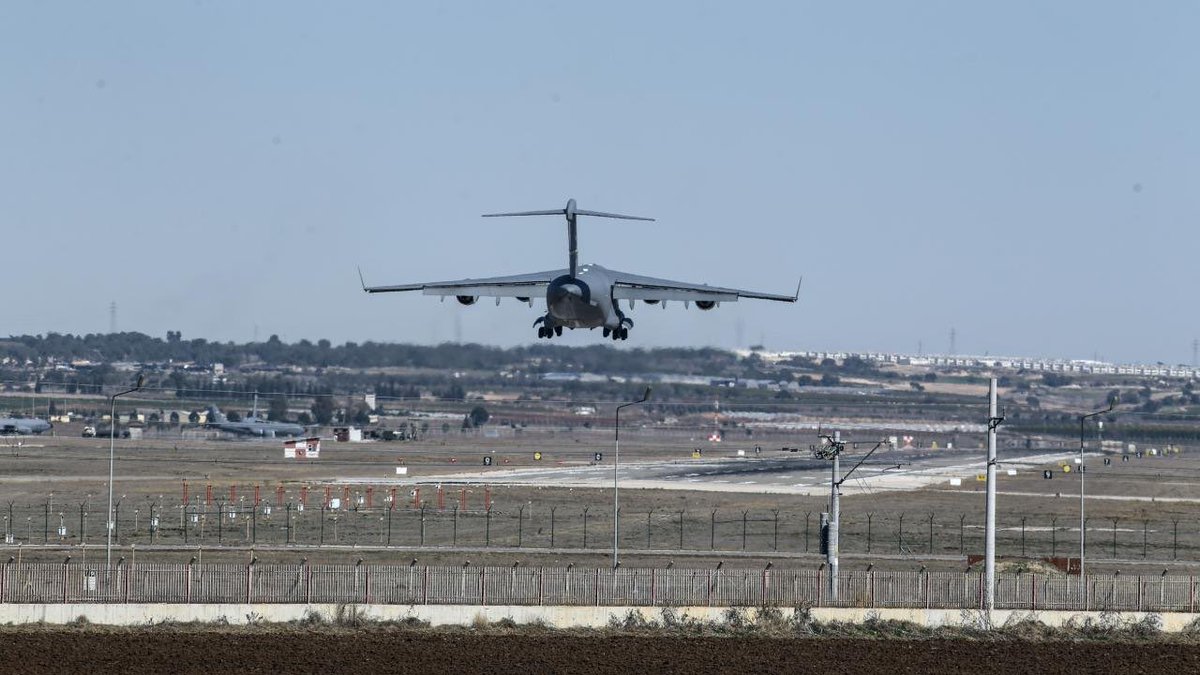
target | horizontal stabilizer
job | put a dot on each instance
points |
(601, 214)
(555, 212)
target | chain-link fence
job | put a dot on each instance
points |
(383, 518)
(516, 585)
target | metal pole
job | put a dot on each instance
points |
(989, 527)
(616, 463)
(112, 442)
(835, 508)
(112, 446)
(1082, 518)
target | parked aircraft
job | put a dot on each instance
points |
(251, 425)
(23, 425)
(582, 296)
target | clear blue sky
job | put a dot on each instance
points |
(1025, 172)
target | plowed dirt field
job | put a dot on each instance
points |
(275, 651)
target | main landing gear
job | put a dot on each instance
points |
(620, 332)
(546, 329)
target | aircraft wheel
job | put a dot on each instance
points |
(558, 331)
(541, 332)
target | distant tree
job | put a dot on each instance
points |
(916, 386)
(360, 413)
(1055, 380)
(1033, 402)
(478, 416)
(445, 427)
(322, 409)
(278, 410)
(830, 380)
(931, 377)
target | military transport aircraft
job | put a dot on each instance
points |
(251, 425)
(23, 425)
(582, 296)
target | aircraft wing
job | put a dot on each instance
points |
(516, 286)
(636, 287)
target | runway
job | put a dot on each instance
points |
(795, 474)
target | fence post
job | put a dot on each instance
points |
(425, 587)
(820, 584)
(66, 573)
(775, 545)
(962, 541)
(1175, 539)
(249, 580)
(1139, 593)
(764, 587)
(745, 515)
(871, 576)
(541, 584)
(1033, 592)
(188, 585)
(1191, 594)
(709, 588)
(712, 532)
(366, 584)
(653, 585)
(928, 591)
(597, 586)
(681, 529)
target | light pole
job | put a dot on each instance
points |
(1082, 534)
(616, 461)
(112, 446)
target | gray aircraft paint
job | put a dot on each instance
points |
(582, 297)
(23, 425)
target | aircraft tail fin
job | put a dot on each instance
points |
(571, 212)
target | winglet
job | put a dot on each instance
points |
(798, 284)
(361, 280)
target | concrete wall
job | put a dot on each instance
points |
(558, 616)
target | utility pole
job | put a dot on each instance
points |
(989, 533)
(1082, 519)
(832, 448)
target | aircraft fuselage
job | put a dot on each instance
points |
(583, 301)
